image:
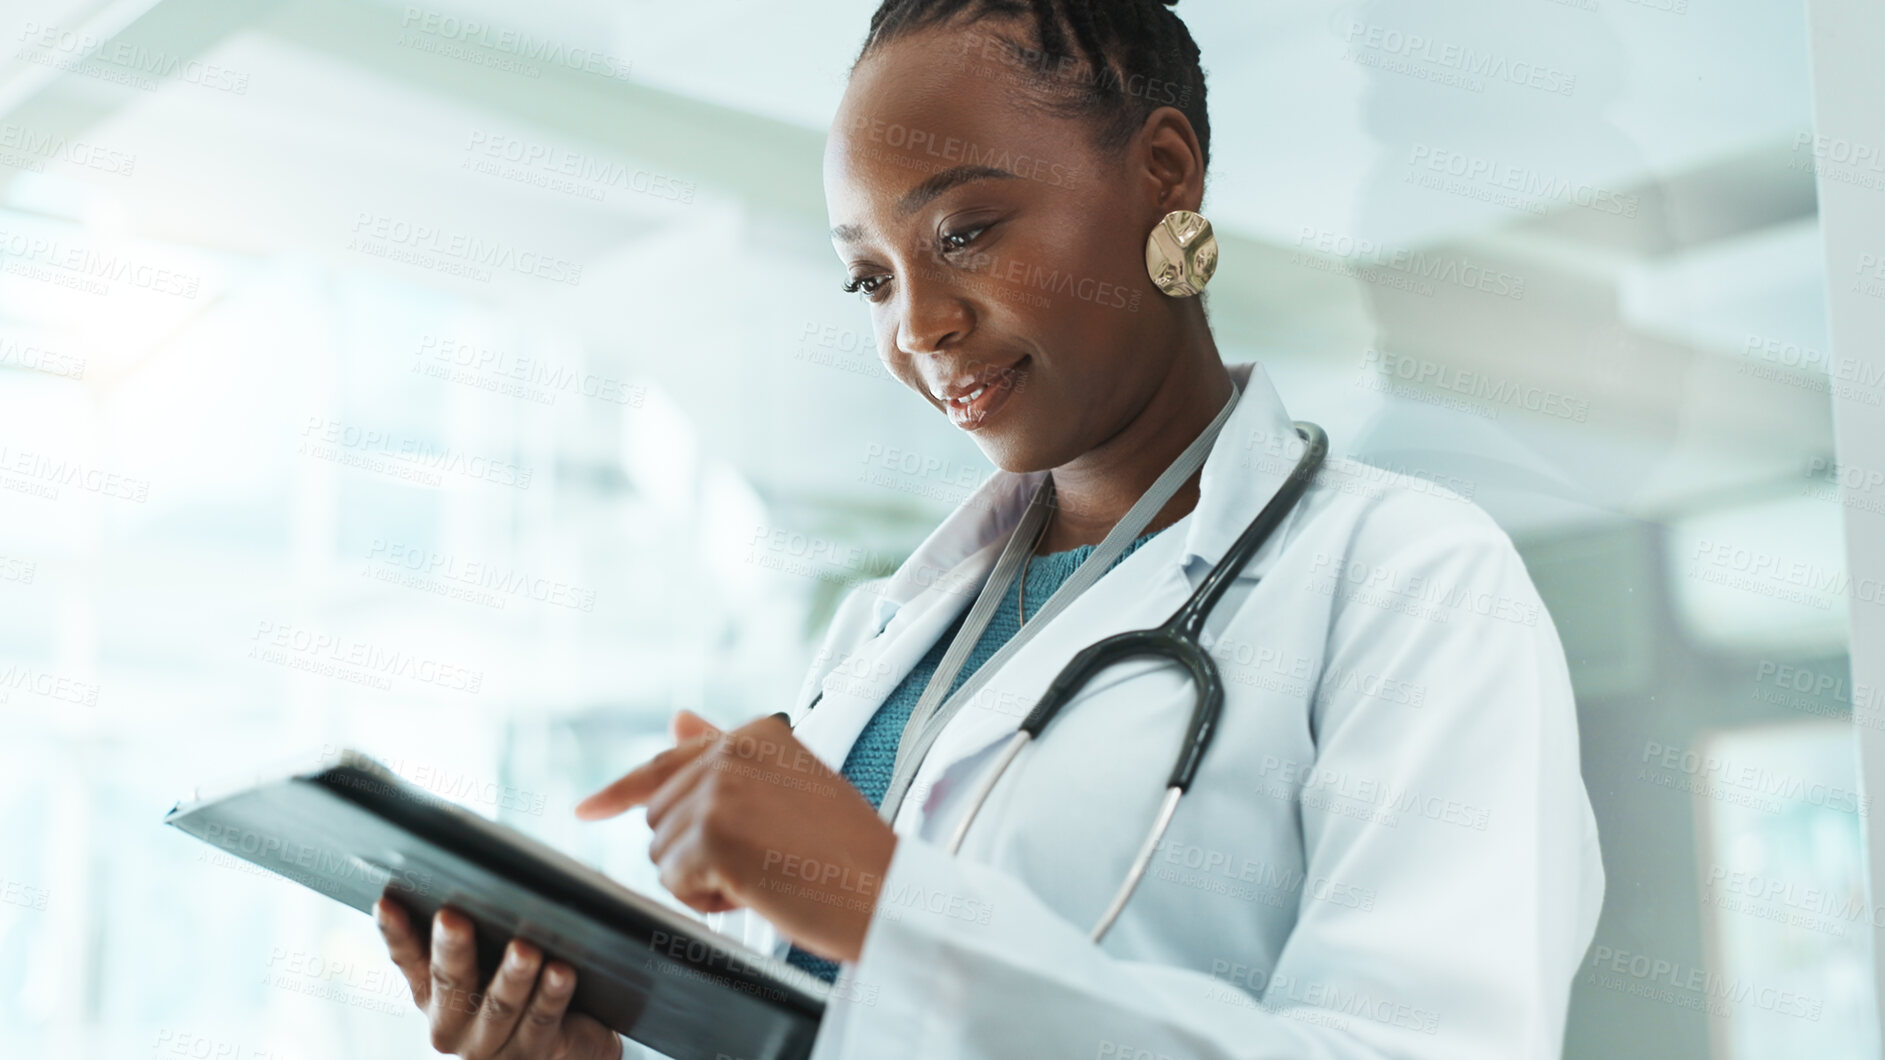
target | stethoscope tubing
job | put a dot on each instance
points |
(1177, 639)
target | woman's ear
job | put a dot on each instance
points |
(1168, 154)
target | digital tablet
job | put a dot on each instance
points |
(353, 830)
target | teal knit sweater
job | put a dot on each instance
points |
(872, 757)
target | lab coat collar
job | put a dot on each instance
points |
(1252, 456)
(1248, 462)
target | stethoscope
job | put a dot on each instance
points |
(1176, 639)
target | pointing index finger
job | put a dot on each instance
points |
(638, 785)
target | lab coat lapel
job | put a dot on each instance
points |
(1249, 462)
(854, 691)
(938, 582)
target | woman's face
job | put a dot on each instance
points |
(998, 250)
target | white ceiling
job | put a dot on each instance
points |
(1653, 92)
(1310, 131)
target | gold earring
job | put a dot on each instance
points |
(1181, 253)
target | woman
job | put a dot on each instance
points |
(1388, 850)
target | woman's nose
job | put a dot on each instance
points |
(936, 315)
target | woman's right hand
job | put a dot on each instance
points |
(519, 1015)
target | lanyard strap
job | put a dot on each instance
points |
(932, 711)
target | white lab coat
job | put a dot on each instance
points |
(1388, 851)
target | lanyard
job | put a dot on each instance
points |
(932, 711)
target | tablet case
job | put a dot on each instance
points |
(353, 830)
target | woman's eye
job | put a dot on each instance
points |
(870, 285)
(961, 239)
(951, 242)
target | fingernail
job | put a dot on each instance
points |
(556, 977)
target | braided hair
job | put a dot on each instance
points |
(1114, 61)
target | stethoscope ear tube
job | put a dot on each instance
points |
(1015, 744)
(1139, 864)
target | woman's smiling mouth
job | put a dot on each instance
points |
(972, 406)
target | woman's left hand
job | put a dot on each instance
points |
(752, 818)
